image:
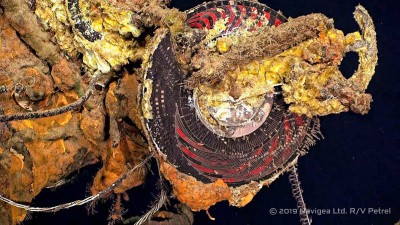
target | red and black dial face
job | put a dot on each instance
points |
(236, 13)
(178, 132)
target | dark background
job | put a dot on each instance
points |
(357, 165)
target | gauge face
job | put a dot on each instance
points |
(237, 14)
(257, 143)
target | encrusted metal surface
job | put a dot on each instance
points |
(189, 142)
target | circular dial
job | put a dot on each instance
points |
(259, 142)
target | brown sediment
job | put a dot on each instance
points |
(66, 76)
(155, 13)
(122, 98)
(24, 21)
(18, 65)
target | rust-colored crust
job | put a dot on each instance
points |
(195, 194)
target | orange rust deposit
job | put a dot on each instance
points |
(116, 164)
(195, 194)
(35, 154)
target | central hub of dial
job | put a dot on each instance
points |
(232, 118)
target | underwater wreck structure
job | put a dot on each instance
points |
(225, 96)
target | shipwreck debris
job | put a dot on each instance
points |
(222, 117)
